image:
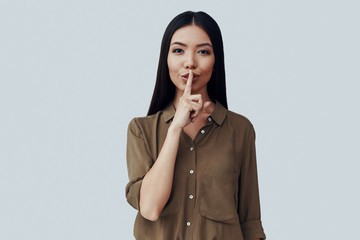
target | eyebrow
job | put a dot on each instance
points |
(199, 45)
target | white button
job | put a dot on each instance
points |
(202, 131)
(191, 148)
(191, 171)
(191, 196)
(188, 223)
(209, 118)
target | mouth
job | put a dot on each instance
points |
(185, 76)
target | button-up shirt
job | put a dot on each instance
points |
(215, 186)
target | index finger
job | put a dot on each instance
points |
(187, 90)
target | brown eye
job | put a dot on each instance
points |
(205, 52)
(177, 50)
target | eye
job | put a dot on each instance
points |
(177, 50)
(204, 52)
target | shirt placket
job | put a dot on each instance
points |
(190, 195)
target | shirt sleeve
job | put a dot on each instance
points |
(249, 203)
(138, 161)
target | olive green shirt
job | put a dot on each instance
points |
(215, 188)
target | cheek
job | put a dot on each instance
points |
(171, 64)
(172, 69)
(208, 66)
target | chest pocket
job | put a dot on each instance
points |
(218, 195)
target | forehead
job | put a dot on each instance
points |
(190, 34)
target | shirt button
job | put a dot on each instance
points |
(191, 171)
(188, 223)
(191, 196)
(209, 119)
(191, 148)
(202, 131)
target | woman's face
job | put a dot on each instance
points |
(191, 48)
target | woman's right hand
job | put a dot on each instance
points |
(189, 106)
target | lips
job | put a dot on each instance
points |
(186, 76)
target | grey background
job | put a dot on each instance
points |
(74, 73)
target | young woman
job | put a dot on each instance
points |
(191, 162)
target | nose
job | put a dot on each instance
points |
(190, 62)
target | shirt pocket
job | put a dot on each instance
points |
(218, 196)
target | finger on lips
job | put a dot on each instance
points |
(187, 90)
(195, 103)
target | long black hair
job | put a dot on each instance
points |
(164, 90)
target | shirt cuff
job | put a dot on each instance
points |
(133, 194)
(252, 230)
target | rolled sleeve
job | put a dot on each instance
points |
(249, 202)
(138, 161)
(252, 230)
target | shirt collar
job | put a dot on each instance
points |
(218, 115)
(169, 112)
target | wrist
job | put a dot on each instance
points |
(174, 129)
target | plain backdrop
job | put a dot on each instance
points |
(74, 73)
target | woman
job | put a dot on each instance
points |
(191, 162)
